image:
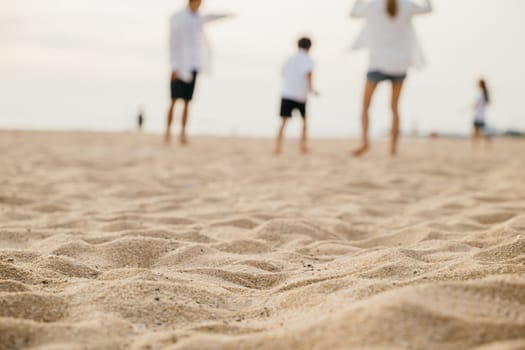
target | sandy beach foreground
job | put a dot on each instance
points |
(112, 241)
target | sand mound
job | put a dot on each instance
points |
(32, 306)
(124, 244)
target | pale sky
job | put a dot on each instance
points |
(89, 64)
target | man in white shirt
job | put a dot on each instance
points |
(189, 55)
(297, 75)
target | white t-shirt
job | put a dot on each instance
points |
(392, 42)
(481, 108)
(295, 75)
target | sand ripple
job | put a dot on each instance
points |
(114, 242)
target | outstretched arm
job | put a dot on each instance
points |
(216, 17)
(360, 9)
(419, 9)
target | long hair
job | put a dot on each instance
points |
(392, 8)
(485, 89)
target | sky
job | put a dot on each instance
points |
(90, 65)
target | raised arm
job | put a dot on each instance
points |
(360, 9)
(216, 17)
(419, 9)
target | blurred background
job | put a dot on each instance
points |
(90, 65)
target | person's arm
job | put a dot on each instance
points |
(216, 17)
(360, 9)
(311, 84)
(419, 9)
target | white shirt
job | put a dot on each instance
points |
(392, 41)
(189, 48)
(295, 75)
(194, 37)
(480, 109)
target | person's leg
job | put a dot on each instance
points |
(167, 135)
(476, 134)
(280, 136)
(304, 136)
(370, 88)
(488, 140)
(397, 87)
(184, 122)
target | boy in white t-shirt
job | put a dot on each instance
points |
(297, 75)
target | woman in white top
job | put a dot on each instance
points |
(480, 110)
(390, 38)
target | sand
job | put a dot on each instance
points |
(112, 241)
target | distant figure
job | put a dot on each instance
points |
(480, 111)
(434, 135)
(391, 40)
(189, 55)
(140, 120)
(297, 75)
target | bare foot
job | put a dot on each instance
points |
(277, 152)
(393, 152)
(183, 140)
(361, 151)
(305, 150)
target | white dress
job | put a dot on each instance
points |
(392, 41)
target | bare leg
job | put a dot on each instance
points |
(370, 88)
(167, 135)
(476, 134)
(280, 136)
(184, 123)
(397, 87)
(488, 140)
(304, 137)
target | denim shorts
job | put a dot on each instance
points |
(377, 77)
(480, 124)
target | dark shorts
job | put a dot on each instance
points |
(183, 90)
(377, 77)
(478, 124)
(288, 106)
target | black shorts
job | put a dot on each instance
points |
(288, 106)
(183, 90)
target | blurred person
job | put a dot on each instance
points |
(189, 56)
(393, 46)
(480, 111)
(297, 76)
(140, 120)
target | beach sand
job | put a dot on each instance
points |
(112, 241)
